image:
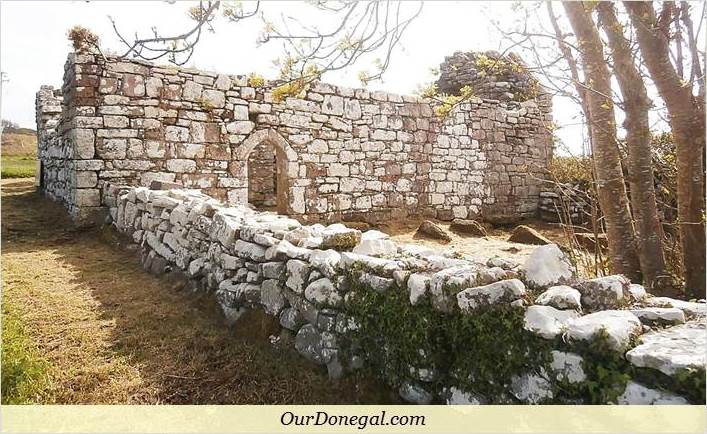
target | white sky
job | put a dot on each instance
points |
(33, 45)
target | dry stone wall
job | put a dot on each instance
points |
(340, 154)
(438, 327)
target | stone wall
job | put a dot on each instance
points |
(341, 154)
(479, 332)
(489, 75)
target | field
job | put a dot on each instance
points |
(83, 323)
(19, 153)
(18, 166)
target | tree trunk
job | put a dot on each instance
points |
(649, 233)
(687, 120)
(611, 190)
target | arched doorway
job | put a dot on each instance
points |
(262, 176)
(268, 157)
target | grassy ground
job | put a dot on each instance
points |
(83, 323)
(18, 166)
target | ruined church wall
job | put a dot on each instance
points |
(342, 154)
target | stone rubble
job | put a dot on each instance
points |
(244, 258)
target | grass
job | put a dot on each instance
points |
(18, 166)
(24, 372)
(105, 332)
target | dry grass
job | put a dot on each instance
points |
(18, 143)
(111, 333)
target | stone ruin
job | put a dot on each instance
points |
(209, 144)
(337, 154)
(490, 75)
(310, 278)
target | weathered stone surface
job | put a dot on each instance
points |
(560, 297)
(458, 397)
(322, 292)
(376, 283)
(548, 322)
(659, 315)
(251, 251)
(567, 367)
(297, 275)
(526, 235)
(606, 292)
(504, 291)
(447, 283)
(531, 388)
(376, 247)
(468, 227)
(691, 309)
(339, 237)
(620, 327)
(673, 349)
(419, 285)
(291, 319)
(415, 394)
(326, 261)
(548, 266)
(638, 394)
(310, 344)
(271, 296)
(432, 230)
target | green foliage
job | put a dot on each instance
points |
(24, 373)
(480, 352)
(17, 166)
(607, 373)
(689, 383)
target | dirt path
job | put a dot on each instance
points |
(112, 333)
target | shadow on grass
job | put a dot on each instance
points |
(177, 340)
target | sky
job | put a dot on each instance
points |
(33, 45)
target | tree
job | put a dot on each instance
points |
(357, 29)
(611, 189)
(649, 233)
(687, 121)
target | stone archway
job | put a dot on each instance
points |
(269, 162)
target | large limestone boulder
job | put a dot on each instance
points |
(548, 266)
(526, 235)
(560, 297)
(418, 285)
(638, 394)
(671, 350)
(376, 247)
(620, 327)
(432, 230)
(567, 367)
(468, 227)
(531, 388)
(446, 284)
(691, 309)
(659, 315)
(546, 321)
(309, 342)
(339, 237)
(505, 291)
(322, 292)
(456, 396)
(297, 275)
(415, 394)
(326, 261)
(606, 292)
